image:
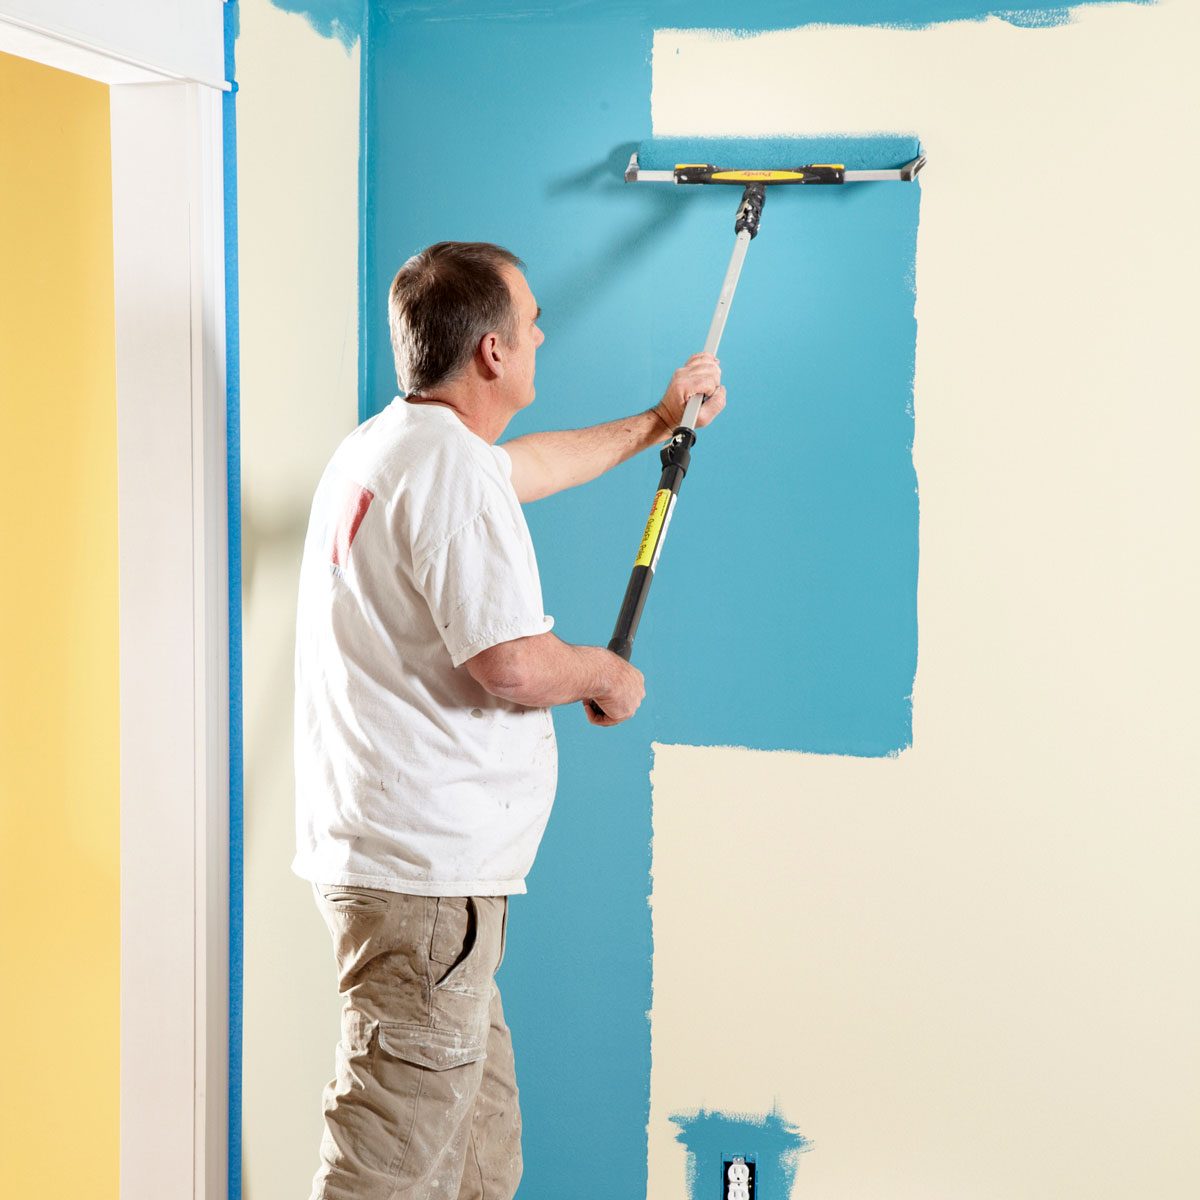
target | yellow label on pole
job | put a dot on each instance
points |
(658, 513)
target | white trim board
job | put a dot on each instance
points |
(169, 242)
(26, 41)
(120, 41)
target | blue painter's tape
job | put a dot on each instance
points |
(854, 153)
(233, 502)
(366, 218)
(707, 1136)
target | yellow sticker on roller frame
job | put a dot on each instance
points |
(658, 514)
(757, 176)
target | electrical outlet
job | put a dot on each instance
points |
(738, 1177)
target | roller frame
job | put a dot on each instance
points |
(905, 174)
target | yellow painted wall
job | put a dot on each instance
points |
(59, 700)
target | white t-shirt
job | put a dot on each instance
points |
(409, 775)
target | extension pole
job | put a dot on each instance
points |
(717, 328)
(676, 454)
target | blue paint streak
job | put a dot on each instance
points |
(708, 1136)
(233, 499)
(341, 20)
(753, 17)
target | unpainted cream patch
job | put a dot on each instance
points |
(964, 961)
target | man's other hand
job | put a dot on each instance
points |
(700, 375)
(621, 690)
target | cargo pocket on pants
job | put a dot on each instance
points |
(435, 1049)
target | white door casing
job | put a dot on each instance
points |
(169, 267)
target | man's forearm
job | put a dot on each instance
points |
(543, 670)
(545, 463)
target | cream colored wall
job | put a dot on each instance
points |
(971, 971)
(298, 217)
(987, 945)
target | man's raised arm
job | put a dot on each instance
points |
(545, 463)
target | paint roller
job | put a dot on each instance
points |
(817, 162)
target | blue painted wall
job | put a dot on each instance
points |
(784, 611)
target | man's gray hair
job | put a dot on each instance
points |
(441, 304)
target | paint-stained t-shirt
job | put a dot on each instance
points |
(410, 776)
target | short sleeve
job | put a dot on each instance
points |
(503, 460)
(482, 586)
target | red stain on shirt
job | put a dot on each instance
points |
(354, 508)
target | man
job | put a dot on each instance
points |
(425, 753)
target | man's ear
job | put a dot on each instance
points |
(489, 355)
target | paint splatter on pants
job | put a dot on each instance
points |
(425, 1100)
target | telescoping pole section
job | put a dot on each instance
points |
(676, 454)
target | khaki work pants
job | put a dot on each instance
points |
(424, 1103)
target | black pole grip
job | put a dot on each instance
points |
(622, 647)
(675, 457)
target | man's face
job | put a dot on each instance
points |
(529, 337)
